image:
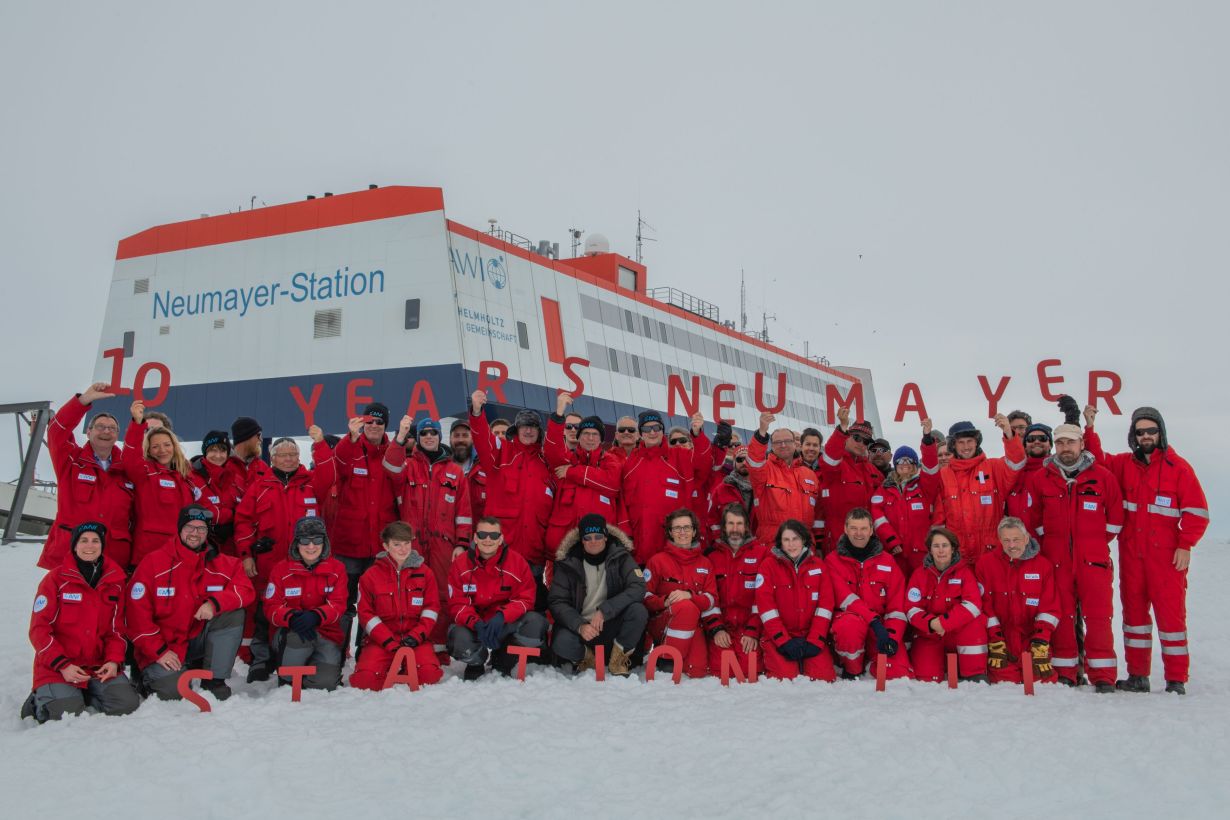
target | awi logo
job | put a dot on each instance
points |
(493, 271)
(497, 275)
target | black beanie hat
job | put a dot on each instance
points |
(592, 423)
(649, 417)
(213, 438)
(591, 524)
(377, 411)
(195, 512)
(90, 526)
(243, 428)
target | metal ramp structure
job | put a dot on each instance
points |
(13, 502)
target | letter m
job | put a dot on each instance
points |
(833, 399)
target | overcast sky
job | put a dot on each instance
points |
(931, 190)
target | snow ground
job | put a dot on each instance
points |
(555, 747)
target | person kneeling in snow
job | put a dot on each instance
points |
(399, 603)
(304, 601)
(491, 595)
(77, 649)
(946, 612)
(185, 609)
(683, 594)
(596, 597)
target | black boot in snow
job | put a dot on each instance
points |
(1176, 686)
(217, 688)
(1104, 688)
(259, 672)
(503, 662)
(1133, 683)
(473, 671)
(28, 709)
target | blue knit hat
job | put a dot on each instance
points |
(426, 424)
(905, 452)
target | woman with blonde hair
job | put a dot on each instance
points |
(155, 463)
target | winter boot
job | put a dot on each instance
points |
(976, 679)
(503, 662)
(849, 675)
(620, 663)
(28, 709)
(473, 671)
(258, 672)
(588, 662)
(1176, 686)
(1104, 688)
(218, 688)
(1133, 683)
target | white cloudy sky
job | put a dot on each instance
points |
(931, 190)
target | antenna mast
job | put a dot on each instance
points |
(640, 237)
(742, 303)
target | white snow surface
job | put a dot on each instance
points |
(559, 747)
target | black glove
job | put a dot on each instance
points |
(490, 633)
(1071, 411)
(262, 546)
(723, 436)
(793, 649)
(410, 641)
(810, 650)
(303, 623)
(885, 644)
(221, 532)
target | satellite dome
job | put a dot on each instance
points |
(596, 243)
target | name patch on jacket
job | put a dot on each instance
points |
(219, 588)
(672, 494)
(86, 477)
(1163, 501)
(166, 482)
(884, 567)
(469, 587)
(166, 592)
(816, 571)
(449, 499)
(293, 591)
(416, 602)
(1033, 576)
(702, 570)
(1091, 505)
(309, 501)
(1031, 602)
(917, 505)
(604, 499)
(954, 580)
(877, 499)
(985, 500)
(71, 596)
(360, 471)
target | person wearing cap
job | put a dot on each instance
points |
(1167, 515)
(945, 612)
(1036, 438)
(793, 603)
(216, 487)
(869, 593)
(367, 497)
(265, 525)
(461, 442)
(848, 479)
(973, 487)
(434, 498)
(304, 602)
(1020, 604)
(586, 477)
(734, 488)
(657, 479)
(520, 486)
(627, 438)
(880, 454)
(155, 464)
(78, 650)
(596, 597)
(91, 484)
(491, 593)
(1075, 508)
(782, 488)
(245, 462)
(901, 509)
(398, 607)
(185, 609)
(735, 556)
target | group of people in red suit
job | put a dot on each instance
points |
(804, 556)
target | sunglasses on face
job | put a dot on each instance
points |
(652, 428)
(862, 439)
(679, 441)
(625, 429)
(878, 450)
(570, 426)
(429, 433)
(1147, 431)
(901, 462)
(740, 459)
(1036, 439)
(594, 537)
(312, 539)
(486, 535)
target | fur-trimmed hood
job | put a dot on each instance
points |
(615, 539)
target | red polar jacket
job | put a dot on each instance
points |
(734, 573)
(1019, 598)
(433, 497)
(480, 587)
(477, 477)
(246, 473)
(295, 587)
(74, 622)
(793, 600)
(871, 588)
(520, 490)
(971, 497)
(1164, 500)
(85, 491)
(1075, 522)
(160, 493)
(167, 589)
(901, 514)
(269, 509)
(720, 495)
(366, 496)
(952, 596)
(656, 481)
(1017, 502)
(397, 601)
(687, 569)
(782, 490)
(591, 484)
(848, 482)
(218, 491)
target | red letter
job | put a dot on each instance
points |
(116, 354)
(993, 398)
(651, 665)
(421, 398)
(832, 397)
(353, 400)
(578, 385)
(138, 383)
(952, 670)
(308, 407)
(404, 655)
(599, 662)
(730, 664)
(881, 670)
(758, 393)
(296, 675)
(1044, 381)
(720, 403)
(523, 653)
(1027, 675)
(493, 383)
(1095, 393)
(674, 387)
(184, 687)
(905, 405)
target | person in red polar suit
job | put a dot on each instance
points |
(945, 611)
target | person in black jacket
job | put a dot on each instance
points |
(596, 597)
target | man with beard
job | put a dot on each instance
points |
(880, 454)
(1167, 515)
(461, 441)
(848, 478)
(736, 556)
(1075, 507)
(1037, 440)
